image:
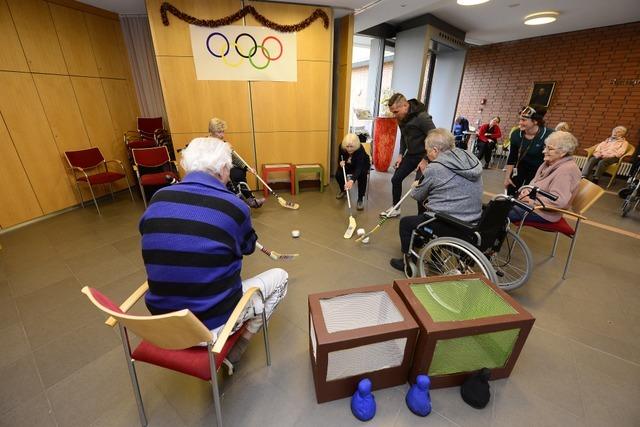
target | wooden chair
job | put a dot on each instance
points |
(588, 193)
(91, 160)
(172, 341)
(614, 168)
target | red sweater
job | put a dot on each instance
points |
(483, 130)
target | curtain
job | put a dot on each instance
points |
(137, 37)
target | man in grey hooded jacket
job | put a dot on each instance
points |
(452, 184)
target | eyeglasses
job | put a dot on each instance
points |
(548, 148)
(528, 112)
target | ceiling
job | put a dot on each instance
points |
(492, 22)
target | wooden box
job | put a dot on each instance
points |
(359, 333)
(466, 323)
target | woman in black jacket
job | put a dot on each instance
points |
(357, 164)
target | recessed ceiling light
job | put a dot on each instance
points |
(541, 18)
(471, 2)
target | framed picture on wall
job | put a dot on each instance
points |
(541, 93)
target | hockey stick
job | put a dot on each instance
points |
(352, 221)
(275, 255)
(282, 201)
(385, 218)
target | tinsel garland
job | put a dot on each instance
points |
(167, 7)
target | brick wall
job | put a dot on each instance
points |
(582, 64)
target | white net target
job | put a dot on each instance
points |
(361, 310)
(366, 358)
(312, 334)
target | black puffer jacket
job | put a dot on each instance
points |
(414, 128)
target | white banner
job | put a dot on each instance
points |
(234, 52)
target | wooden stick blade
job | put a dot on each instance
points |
(351, 228)
(288, 205)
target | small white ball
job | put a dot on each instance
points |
(295, 233)
(365, 240)
(360, 231)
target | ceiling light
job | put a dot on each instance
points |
(540, 18)
(471, 2)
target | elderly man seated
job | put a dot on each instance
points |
(452, 184)
(606, 153)
(194, 235)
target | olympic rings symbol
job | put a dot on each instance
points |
(221, 50)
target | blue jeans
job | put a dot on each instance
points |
(517, 213)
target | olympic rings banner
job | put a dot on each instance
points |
(236, 52)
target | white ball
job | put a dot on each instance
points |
(360, 231)
(365, 240)
(295, 233)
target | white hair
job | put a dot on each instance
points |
(441, 139)
(564, 142)
(208, 155)
(350, 138)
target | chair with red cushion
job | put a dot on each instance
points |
(147, 126)
(588, 193)
(173, 341)
(90, 160)
(154, 169)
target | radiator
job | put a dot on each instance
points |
(624, 170)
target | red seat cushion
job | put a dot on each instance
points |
(158, 178)
(103, 178)
(192, 361)
(141, 143)
(561, 226)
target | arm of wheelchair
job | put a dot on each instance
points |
(455, 222)
(129, 302)
(235, 315)
(562, 211)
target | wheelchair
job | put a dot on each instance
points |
(487, 247)
(632, 195)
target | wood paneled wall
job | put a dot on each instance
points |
(65, 84)
(268, 122)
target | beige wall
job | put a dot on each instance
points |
(268, 122)
(65, 85)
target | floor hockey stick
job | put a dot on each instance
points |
(385, 218)
(352, 221)
(282, 201)
(275, 255)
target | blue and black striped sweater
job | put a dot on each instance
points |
(194, 235)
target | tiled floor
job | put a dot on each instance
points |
(60, 365)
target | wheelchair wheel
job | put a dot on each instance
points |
(513, 263)
(630, 202)
(448, 256)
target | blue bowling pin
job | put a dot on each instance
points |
(363, 404)
(418, 398)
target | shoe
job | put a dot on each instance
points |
(397, 263)
(390, 213)
(341, 194)
(360, 205)
(255, 203)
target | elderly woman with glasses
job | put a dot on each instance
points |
(558, 175)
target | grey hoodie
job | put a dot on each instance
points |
(452, 184)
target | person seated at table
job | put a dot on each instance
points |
(488, 136)
(452, 184)
(461, 126)
(559, 175)
(356, 162)
(238, 180)
(194, 236)
(607, 153)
